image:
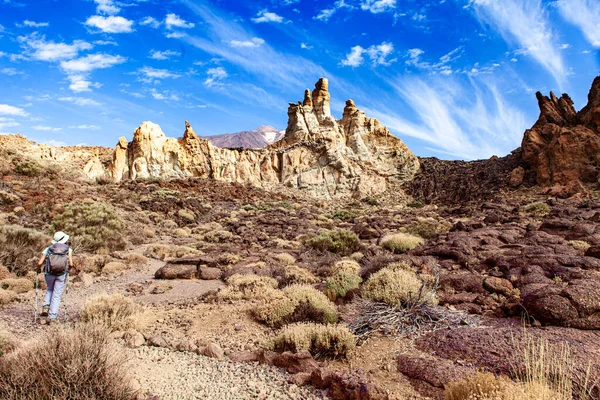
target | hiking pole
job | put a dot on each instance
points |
(35, 312)
(66, 294)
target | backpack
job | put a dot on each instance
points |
(57, 259)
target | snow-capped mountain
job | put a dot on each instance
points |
(260, 137)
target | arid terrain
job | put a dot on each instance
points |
(331, 264)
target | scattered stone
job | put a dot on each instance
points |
(213, 350)
(133, 339)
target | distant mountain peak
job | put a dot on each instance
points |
(260, 137)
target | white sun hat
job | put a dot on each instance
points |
(60, 237)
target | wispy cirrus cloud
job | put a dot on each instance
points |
(524, 22)
(45, 128)
(378, 54)
(33, 24)
(585, 14)
(254, 42)
(465, 118)
(215, 77)
(378, 6)
(163, 55)
(150, 75)
(80, 101)
(327, 13)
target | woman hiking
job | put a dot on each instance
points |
(56, 260)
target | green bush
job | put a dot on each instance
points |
(337, 241)
(398, 287)
(18, 245)
(320, 340)
(341, 283)
(427, 228)
(537, 209)
(95, 225)
(312, 304)
(344, 215)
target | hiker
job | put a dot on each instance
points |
(56, 261)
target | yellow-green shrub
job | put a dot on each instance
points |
(96, 225)
(400, 242)
(274, 308)
(341, 283)
(315, 306)
(537, 209)
(285, 258)
(248, 287)
(393, 286)
(114, 266)
(319, 340)
(17, 285)
(346, 265)
(337, 241)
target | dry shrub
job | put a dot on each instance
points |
(248, 287)
(427, 228)
(339, 241)
(97, 225)
(181, 233)
(17, 285)
(136, 260)
(340, 283)
(164, 251)
(376, 263)
(579, 245)
(5, 273)
(537, 209)
(169, 224)
(229, 258)
(116, 312)
(312, 305)
(320, 340)
(293, 274)
(218, 236)
(18, 244)
(487, 386)
(187, 215)
(287, 244)
(285, 258)
(148, 233)
(346, 265)
(275, 308)
(8, 343)
(394, 287)
(7, 296)
(75, 363)
(114, 266)
(400, 242)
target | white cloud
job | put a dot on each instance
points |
(151, 22)
(42, 97)
(163, 55)
(254, 42)
(91, 62)
(156, 73)
(79, 83)
(174, 21)
(165, 95)
(51, 51)
(8, 123)
(6, 109)
(11, 71)
(377, 53)
(105, 43)
(441, 66)
(85, 127)
(564, 46)
(107, 7)
(45, 128)
(585, 14)
(524, 22)
(35, 24)
(80, 101)
(175, 35)
(305, 46)
(215, 77)
(355, 57)
(378, 6)
(468, 119)
(266, 16)
(327, 13)
(110, 24)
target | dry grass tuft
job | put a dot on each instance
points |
(393, 286)
(75, 363)
(5, 273)
(8, 343)
(136, 260)
(17, 285)
(579, 245)
(293, 274)
(320, 340)
(537, 209)
(339, 241)
(400, 242)
(346, 265)
(17, 244)
(163, 251)
(248, 287)
(114, 266)
(275, 308)
(7, 296)
(116, 312)
(285, 258)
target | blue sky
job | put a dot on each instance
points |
(453, 78)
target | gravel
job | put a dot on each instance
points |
(175, 375)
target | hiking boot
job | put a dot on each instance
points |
(45, 311)
(51, 321)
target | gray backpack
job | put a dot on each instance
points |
(57, 259)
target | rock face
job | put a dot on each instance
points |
(256, 139)
(326, 157)
(563, 145)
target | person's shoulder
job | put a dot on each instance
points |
(45, 252)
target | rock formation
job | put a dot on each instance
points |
(328, 158)
(563, 145)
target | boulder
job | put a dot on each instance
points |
(176, 271)
(208, 273)
(133, 339)
(157, 341)
(296, 362)
(213, 350)
(435, 371)
(84, 278)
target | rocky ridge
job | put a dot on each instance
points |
(256, 139)
(326, 157)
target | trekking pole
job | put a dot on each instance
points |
(66, 294)
(35, 312)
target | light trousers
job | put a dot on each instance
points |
(56, 287)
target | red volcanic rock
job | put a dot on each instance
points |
(563, 145)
